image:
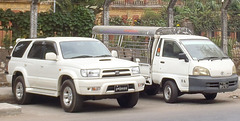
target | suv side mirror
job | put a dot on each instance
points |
(51, 56)
(114, 53)
(183, 56)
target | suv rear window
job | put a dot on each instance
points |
(20, 48)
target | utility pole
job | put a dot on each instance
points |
(33, 19)
(170, 12)
(224, 44)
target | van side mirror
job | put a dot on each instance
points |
(182, 56)
(114, 53)
(51, 56)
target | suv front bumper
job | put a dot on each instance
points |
(207, 84)
(106, 86)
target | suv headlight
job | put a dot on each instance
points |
(135, 70)
(234, 70)
(200, 71)
(90, 72)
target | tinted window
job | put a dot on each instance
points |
(20, 48)
(36, 51)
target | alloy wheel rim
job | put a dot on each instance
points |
(19, 90)
(67, 96)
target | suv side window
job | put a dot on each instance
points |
(20, 49)
(36, 51)
(171, 49)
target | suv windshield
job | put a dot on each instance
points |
(83, 49)
(203, 49)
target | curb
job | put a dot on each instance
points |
(9, 109)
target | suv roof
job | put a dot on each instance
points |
(58, 39)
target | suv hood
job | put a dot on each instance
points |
(99, 63)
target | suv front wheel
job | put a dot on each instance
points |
(19, 91)
(70, 100)
(128, 100)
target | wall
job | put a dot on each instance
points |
(3, 65)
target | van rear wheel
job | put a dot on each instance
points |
(170, 92)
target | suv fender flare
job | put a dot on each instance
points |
(24, 74)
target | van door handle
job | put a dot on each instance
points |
(162, 62)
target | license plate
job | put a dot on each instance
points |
(223, 85)
(121, 88)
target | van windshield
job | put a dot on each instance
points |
(203, 49)
(83, 49)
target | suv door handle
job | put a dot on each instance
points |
(162, 62)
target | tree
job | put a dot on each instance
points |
(224, 18)
(170, 12)
(33, 19)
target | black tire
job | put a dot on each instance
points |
(19, 91)
(152, 90)
(128, 100)
(71, 102)
(170, 92)
(210, 96)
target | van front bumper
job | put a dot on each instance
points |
(207, 84)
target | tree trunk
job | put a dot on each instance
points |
(171, 13)
(106, 19)
(224, 32)
(33, 19)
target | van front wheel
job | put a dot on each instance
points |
(210, 96)
(170, 92)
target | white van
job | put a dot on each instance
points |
(173, 60)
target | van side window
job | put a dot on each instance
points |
(20, 48)
(171, 49)
(159, 48)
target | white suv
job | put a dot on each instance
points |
(74, 68)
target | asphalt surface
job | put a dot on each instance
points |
(226, 107)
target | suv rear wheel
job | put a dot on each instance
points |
(19, 91)
(70, 100)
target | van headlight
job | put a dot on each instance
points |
(90, 72)
(200, 71)
(135, 70)
(234, 70)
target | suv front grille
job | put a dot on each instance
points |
(116, 72)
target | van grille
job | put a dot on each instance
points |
(116, 72)
(216, 84)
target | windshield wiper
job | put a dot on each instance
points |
(103, 56)
(209, 58)
(82, 56)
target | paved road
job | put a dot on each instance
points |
(149, 108)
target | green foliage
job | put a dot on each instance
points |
(78, 22)
(6, 41)
(118, 21)
(152, 18)
(231, 42)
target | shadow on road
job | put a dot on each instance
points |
(185, 99)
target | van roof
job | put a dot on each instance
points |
(179, 37)
(139, 30)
